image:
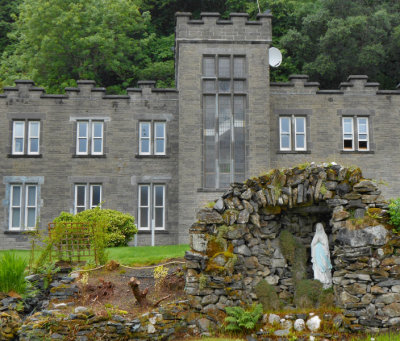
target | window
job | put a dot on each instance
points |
(31, 129)
(224, 103)
(152, 138)
(90, 137)
(151, 207)
(23, 206)
(355, 139)
(296, 141)
(87, 196)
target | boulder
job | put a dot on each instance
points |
(314, 323)
(209, 216)
(364, 186)
(299, 325)
(372, 235)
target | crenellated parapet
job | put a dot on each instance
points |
(211, 28)
(355, 84)
(86, 89)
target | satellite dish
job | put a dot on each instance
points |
(275, 57)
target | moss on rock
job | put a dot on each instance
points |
(267, 295)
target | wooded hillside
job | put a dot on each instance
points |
(117, 43)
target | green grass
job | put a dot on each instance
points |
(383, 337)
(146, 254)
(130, 255)
(12, 272)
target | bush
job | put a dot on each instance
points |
(394, 212)
(120, 227)
(295, 252)
(12, 273)
(242, 320)
(307, 293)
(267, 295)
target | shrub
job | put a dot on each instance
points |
(242, 320)
(267, 295)
(394, 212)
(307, 293)
(12, 273)
(295, 252)
(120, 227)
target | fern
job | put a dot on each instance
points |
(239, 319)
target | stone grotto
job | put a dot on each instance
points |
(256, 238)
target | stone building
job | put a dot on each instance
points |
(159, 154)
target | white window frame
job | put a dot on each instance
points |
(27, 206)
(141, 138)
(151, 206)
(91, 195)
(296, 133)
(366, 133)
(351, 119)
(144, 206)
(76, 198)
(11, 228)
(88, 193)
(14, 152)
(287, 134)
(162, 206)
(78, 138)
(97, 137)
(157, 138)
(30, 137)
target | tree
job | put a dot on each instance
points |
(56, 42)
(336, 38)
(8, 10)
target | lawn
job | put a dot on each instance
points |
(130, 255)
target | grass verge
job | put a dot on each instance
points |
(129, 255)
(12, 272)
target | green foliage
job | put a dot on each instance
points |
(267, 296)
(295, 252)
(119, 227)
(307, 293)
(12, 273)
(57, 42)
(202, 281)
(394, 213)
(239, 319)
(331, 39)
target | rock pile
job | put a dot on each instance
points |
(236, 244)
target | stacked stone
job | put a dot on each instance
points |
(164, 323)
(234, 244)
(367, 278)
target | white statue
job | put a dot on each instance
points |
(320, 257)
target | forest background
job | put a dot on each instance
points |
(118, 42)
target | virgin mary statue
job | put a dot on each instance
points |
(320, 257)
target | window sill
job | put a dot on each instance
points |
(357, 152)
(139, 156)
(25, 156)
(89, 156)
(156, 232)
(212, 190)
(293, 152)
(16, 232)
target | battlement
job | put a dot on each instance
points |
(355, 84)
(87, 89)
(211, 28)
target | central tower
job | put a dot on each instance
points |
(222, 75)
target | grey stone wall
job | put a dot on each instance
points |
(119, 171)
(237, 243)
(211, 36)
(325, 108)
